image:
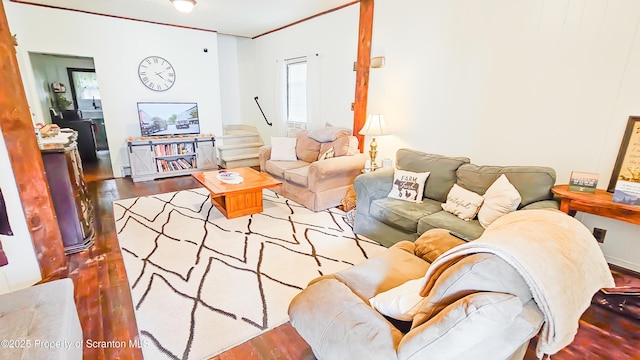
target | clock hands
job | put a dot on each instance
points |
(160, 76)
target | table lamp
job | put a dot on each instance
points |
(374, 126)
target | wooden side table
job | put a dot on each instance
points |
(599, 203)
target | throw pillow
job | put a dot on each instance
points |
(328, 133)
(462, 202)
(326, 155)
(408, 185)
(283, 149)
(435, 242)
(500, 199)
(398, 302)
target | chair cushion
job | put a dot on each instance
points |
(44, 312)
(473, 273)
(298, 175)
(442, 169)
(307, 149)
(462, 325)
(277, 168)
(401, 214)
(534, 183)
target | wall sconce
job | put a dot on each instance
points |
(184, 6)
(377, 62)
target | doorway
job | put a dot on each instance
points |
(69, 93)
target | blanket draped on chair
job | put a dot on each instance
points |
(558, 258)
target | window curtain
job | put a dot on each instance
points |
(314, 120)
(280, 121)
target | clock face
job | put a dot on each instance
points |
(156, 73)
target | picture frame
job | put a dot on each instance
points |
(627, 166)
(586, 182)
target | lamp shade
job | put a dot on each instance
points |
(184, 5)
(375, 126)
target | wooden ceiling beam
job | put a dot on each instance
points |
(362, 69)
(26, 160)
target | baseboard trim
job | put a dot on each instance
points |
(623, 265)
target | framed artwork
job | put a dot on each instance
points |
(627, 167)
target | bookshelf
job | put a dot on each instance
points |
(159, 157)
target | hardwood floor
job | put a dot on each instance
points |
(106, 311)
(99, 169)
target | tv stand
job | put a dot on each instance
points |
(156, 157)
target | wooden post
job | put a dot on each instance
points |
(26, 160)
(362, 69)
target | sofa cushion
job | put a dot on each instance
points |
(277, 168)
(400, 214)
(442, 169)
(534, 183)
(342, 146)
(298, 176)
(445, 220)
(307, 149)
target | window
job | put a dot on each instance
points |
(297, 92)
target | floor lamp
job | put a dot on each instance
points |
(374, 126)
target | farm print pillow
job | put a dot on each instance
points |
(408, 185)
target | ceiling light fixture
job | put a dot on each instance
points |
(184, 6)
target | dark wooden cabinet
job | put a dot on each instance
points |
(71, 201)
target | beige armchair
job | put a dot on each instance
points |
(316, 184)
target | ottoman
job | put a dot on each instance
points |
(40, 322)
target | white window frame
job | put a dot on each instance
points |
(297, 123)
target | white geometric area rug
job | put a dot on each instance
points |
(202, 284)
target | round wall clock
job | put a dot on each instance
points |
(156, 73)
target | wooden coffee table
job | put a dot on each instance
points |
(235, 200)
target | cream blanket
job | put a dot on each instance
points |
(558, 258)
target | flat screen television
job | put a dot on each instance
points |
(168, 118)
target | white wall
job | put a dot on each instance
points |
(513, 82)
(23, 269)
(117, 47)
(229, 79)
(333, 36)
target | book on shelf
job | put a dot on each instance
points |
(175, 165)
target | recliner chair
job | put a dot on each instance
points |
(532, 271)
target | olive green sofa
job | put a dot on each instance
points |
(388, 220)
